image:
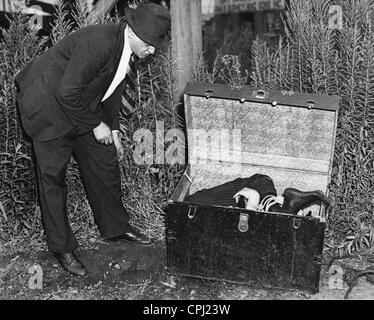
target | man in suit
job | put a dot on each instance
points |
(69, 100)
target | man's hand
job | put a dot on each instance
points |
(118, 144)
(103, 134)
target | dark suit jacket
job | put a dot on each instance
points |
(62, 89)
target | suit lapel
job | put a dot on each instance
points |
(115, 60)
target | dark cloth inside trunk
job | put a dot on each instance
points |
(222, 195)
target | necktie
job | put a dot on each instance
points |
(129, 90)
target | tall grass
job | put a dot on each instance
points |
(314, 58)
(19, 213)
(146, 187)
(234, 43)
(310, 57)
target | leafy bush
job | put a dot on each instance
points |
(148, 186)
(19, 214)
(145, 187)
(317, 59)
(310, 57)
(235, 43)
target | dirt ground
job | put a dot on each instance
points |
(139, 273)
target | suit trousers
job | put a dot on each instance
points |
(100, 172)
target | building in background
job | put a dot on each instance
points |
(39, 12)
(263, 17)
(43, 10)
(222, 19)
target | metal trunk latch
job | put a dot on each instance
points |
(243, 222)
(310, 104)
(209, 93)
(191, 212)
(260, 94)
(296, 223)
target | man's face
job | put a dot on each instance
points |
(139, 47)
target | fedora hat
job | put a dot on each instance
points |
(150, 22)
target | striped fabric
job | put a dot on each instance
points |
(129, 92)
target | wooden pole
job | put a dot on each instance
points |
(186, 33)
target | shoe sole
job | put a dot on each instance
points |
(75, 274)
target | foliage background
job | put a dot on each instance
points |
(146, 188)
(316, 55)
(310, 57)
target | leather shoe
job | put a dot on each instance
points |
(133, 237)
(71, 263)
(296, 200)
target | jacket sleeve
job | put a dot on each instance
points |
(84, 65)
(21, 75)
(115, 123)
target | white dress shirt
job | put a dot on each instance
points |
(122, 67)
